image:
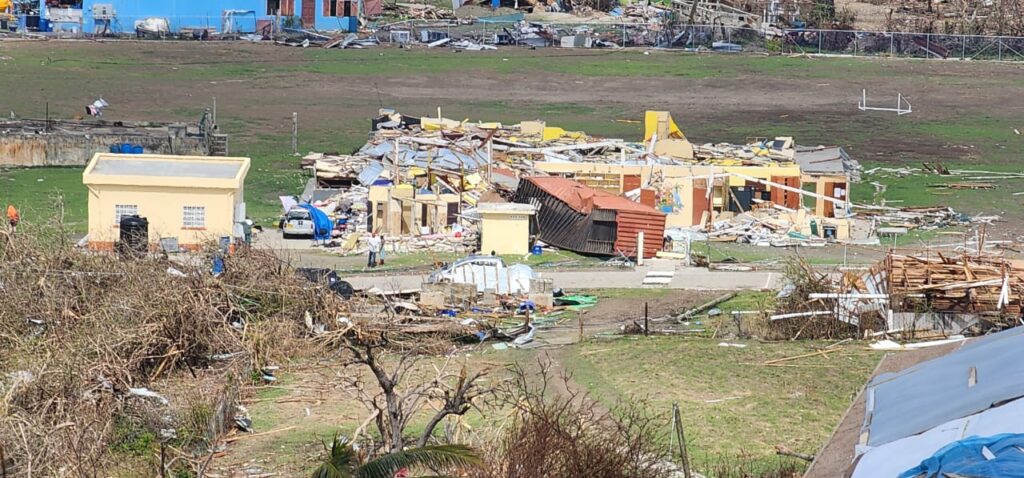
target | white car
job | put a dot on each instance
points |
(298, 222)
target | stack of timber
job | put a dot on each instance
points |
(964, 284)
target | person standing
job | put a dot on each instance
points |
(13, 217)
(380, 252)
(374, 244)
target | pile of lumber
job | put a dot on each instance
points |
(964, 284)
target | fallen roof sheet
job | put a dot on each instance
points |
(982, 374)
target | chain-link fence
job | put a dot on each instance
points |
(713, 38)
(614, 34)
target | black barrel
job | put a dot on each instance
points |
(134, 236)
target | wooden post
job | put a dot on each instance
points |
(582, 314)
(640, 248)
(397, 177)
(646, 321)
(680, 435)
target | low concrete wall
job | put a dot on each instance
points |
(22, 150)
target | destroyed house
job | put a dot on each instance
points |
(53, 142)
(573, 216)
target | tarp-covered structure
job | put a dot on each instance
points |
(958, 414)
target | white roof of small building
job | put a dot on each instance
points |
(166, 171)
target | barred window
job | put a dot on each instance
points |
(194, 216)
(121, 210)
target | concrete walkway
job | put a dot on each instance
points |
(685, 278)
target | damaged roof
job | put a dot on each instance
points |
(827, 161)
(584, 199)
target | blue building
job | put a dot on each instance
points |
(119, 16)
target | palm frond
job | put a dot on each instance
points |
(340, 462)
(435, 457)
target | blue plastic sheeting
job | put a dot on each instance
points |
(967, 458)
(892, 458)
(322, 225)
(934, 392)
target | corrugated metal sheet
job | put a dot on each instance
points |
(582, 198)
(632, 222)
(574, 217)
(931, 393)
(559, 224)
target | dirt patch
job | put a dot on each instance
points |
(611, 313)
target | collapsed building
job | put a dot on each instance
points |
(573, 216)
(37, 142)
(428, 176)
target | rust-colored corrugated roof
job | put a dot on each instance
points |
(584, 199)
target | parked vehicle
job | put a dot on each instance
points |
(298, 223)
(488, 273)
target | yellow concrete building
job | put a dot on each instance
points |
(683, 193)
(505, 227)
(193, 199)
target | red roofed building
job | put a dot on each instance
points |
(575, 217)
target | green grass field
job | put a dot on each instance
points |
(166, 82)
(732, 405)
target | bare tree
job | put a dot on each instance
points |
(557, 431)
(400, 397)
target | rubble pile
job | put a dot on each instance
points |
(908, 294)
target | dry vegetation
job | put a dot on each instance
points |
(81, 333)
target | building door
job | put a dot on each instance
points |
(700, 203)
(308, 13)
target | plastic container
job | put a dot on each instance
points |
(137, 149)
(537, 250)
(134, 236)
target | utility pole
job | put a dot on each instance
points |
(295, 134)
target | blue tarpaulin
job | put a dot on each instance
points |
(322, 224)
(997, 456)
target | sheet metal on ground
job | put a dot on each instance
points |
(837, 455)
(935, 392)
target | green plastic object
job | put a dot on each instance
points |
(578, 302)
